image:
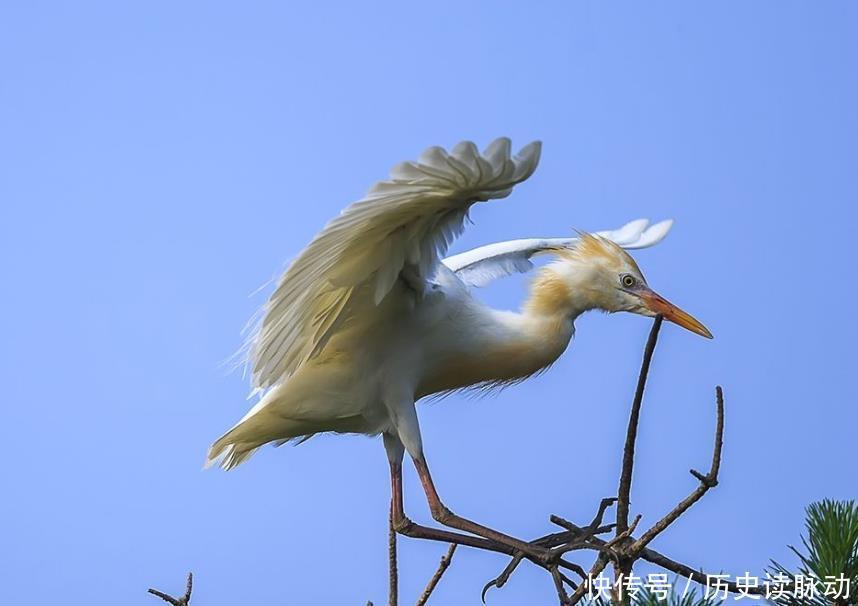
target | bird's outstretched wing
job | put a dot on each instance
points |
(402, 227)
(480, 266)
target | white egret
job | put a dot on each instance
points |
(370, 317)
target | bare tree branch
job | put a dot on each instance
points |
(698, 576)
(600, 565)
(623, 550)
(433, 582)
(624, 491)
(623, 561)
(182, 601)
(393, 572)
(707, 481)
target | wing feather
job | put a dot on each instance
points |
(351, 266)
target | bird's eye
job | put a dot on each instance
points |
(628, 280)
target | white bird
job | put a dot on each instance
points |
(370, 317)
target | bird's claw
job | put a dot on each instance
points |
(548, 554)
(547, 559)
(503, 577)
(489, 585)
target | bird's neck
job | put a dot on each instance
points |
(508, 347)
(542, 331)
(553, 294)
(512, 345)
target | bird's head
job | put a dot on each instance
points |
(596, 273)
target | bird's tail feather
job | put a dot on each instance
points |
(229, 454)
(261, 426)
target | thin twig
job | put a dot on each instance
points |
(698, 576)
(623, 561)
(584, 587)
(558, 586)
(433, 582)
(625, 534)
(707, 481)
(625, 488)
(581, 540)
(182, 601)
(393, 572)
(581, 535)
(594, 527)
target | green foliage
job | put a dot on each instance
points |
(830, 550)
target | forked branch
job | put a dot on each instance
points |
(182, 601)
(710, 480)
(623, 550)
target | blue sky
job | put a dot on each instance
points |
(162, 160)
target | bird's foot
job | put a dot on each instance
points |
(561, 581)
(534, 552)
(552, 548)
(503, 577)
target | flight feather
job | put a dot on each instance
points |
(405, 223)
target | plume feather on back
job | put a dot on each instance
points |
(481, 266)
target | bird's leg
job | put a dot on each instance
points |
(407, 437)
(397, 509)
(406, 527)
(395, 451)
(446, 517)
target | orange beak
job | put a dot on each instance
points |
(659, 305)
